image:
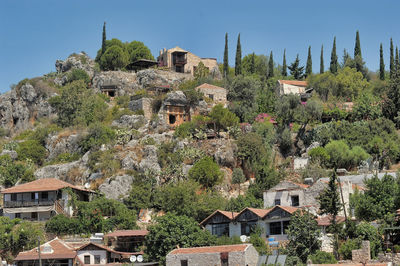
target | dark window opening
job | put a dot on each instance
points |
(172, 119)
(86, 259)
(285, 226)
(184, 263)
(14, 197)
(224, 258)
(277, 202)
(275, 228)
(34, 215)
(111, 93)
(220, 229)
(179, 69)
(17, 215)
(45, 195)
(295, 201)
(96, 259)
(247, 228)
(211, 96)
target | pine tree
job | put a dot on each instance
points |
(334, 59)
(284, 66)
(321, 66)
(270, 66)
(391, 59)
(309, 63)
(103, 43)
(357, 47)
(295, 69)
(238, 59)
(226, 65)
(381, 64)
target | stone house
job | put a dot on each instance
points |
(182, 61)
(297, 87)
(175, 109)
(130, 241)
(214, 93)
(41, 199)
(221, 223)
(242, 254)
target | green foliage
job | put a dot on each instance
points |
(78, 74)
(140, 196)
(340, 155)
(241, 202)
(367, 107)
(201, 71)
(206, 172)
(322, 257)
(381, 64)
(284, 66)
(366, 231)
(11, 172)
(33, 150)
(172, 230)
(319, 155)
(329, 200)
(251, 151)
(63, 225)
(303, 235)
(104, 161)
(238, 58)
(226, 64)
(137, 50)
(258, 242)
(334, 59)
(321, 66)
(98, 134)
(223, 118)
(65, 158)
(271, 66)
(238, 176)
(346, 248)
(309, 63)
(296, 70)
(286, 142)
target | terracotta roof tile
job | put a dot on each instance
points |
(289, 209)
(45, 184)
(227, 214)
(119, 233)
(212, 249)
(326, 220)
(260, 212)
(209, 86)
(60, 251)
(301, 83)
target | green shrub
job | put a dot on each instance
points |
(319, 154)
(63, 225)
(65, 158)
(104, 162)
(98, 134)
(11, 172)
(322, 257)
(78, 74)
(31, 149)
(184, 130)
(346, 248)
(206, 172)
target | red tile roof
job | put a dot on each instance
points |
(60, 251)
(301, 83)
(227, 214)
(212, 249)
(326, 220)
(259, 212)
(209, 86)
(119, 233)
(289, 209)
(45, 184)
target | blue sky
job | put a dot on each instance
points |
(35, 33)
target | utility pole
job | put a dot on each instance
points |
(341, 193)
(40, 259)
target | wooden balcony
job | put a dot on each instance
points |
(179, 61)
(20, 204)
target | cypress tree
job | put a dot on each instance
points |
(296, 70)
(321, 66)
(396, 61)
(103, 43)
(357, 47)
(252, 63)
(309, 63)
(334, 59)
(270, 66)
(284, 66)
(391, 59)
(381, 64)
(226, 65)
(238, 59)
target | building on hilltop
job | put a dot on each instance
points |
(182, 61)
(241, 254)
(217, 95)
(41, 199)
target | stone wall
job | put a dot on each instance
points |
(144, 104)
(362, 255)
(218, 95)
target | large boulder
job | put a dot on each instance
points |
(117, 187)
(130, 121)
(79, 61)
(73, 171)
(124, 82)
(225, 154)
(59, 144)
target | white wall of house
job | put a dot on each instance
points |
(65, 198)
(102, 253)
(284, 196)
(41, 216)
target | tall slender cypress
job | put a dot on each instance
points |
(381, 64)
(391, 59)
(238, 59)
(284, 66)
(309, 63)
(334, 59)
(103, 43)
(271, 66)
(357, 47)
(321, 66)
(396, 61)
(252, 67)
(226, 65)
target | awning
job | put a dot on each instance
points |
(29, 209)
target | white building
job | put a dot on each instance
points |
(297, 87)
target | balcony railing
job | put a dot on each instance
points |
(179, 61)
(19, 204)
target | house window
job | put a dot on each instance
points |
(17, 215)
(295, 200)
(34, 215)
(96, 259)
(211, 96)
(275, 228)
(172, 119)
(45, 195)
(14, 197)
(247, 228)
(278, 202)
(285, 226)
(184, 263)
(86, 259)
(220, 229)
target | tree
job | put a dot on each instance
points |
(171, 231)
(137, 50)
(31, 149)
(114, 58)
(251, 151)
(357, 47)
(329, 201)
(309, 63)
(321, 66)
(226, 65)
(223, 118)
(334, 59)
(392, 69)
(238, 58)
(206, 172)
(11, 172)
(252, 68)
(201, 72)
(238, 177)
(255, 64)
(381, 64)
(295, 70)
(103, 43)
(303, 235)
(396, 61)
(284, 67)
(270, 66)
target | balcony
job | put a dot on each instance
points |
(20, 204)
(179, 61)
